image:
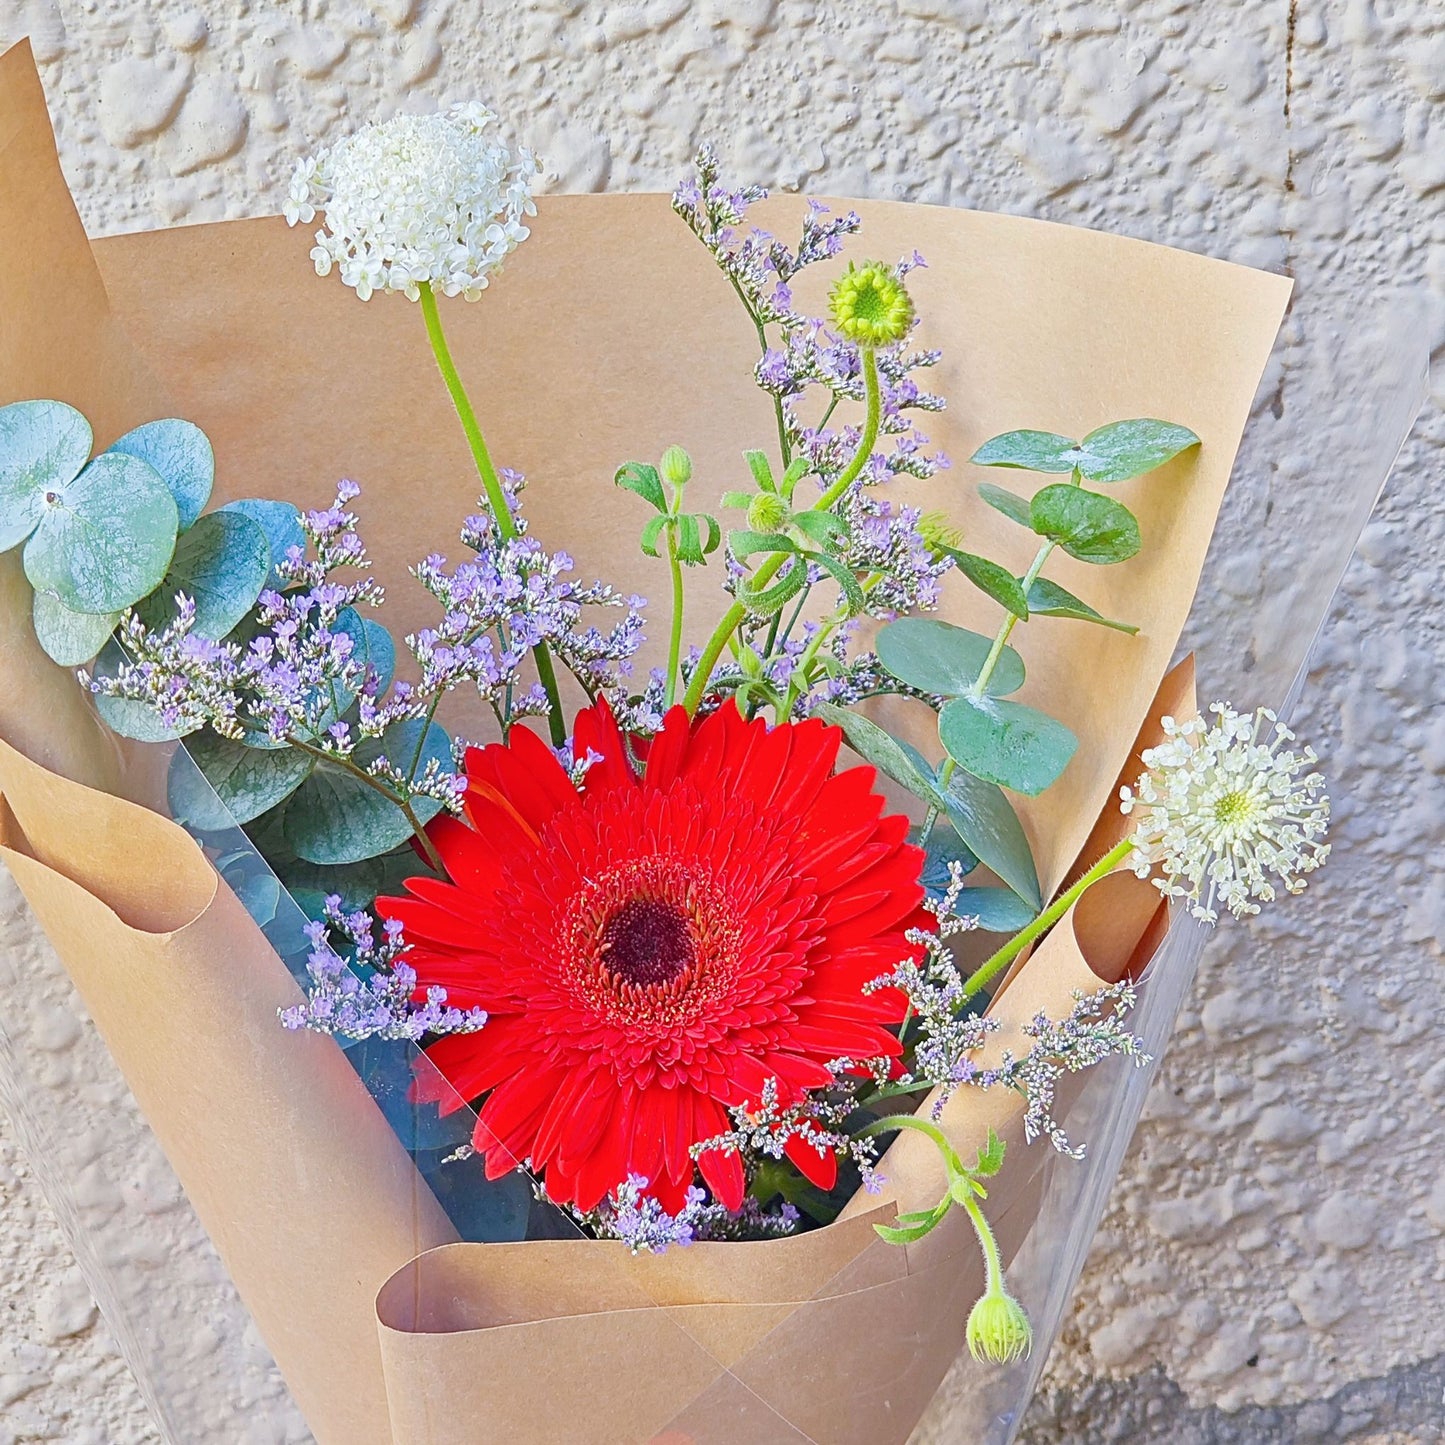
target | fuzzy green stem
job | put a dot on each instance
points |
(735, 614)
(492, 486)
(991, 967)
(993, 1265)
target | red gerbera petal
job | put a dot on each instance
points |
(657, 950)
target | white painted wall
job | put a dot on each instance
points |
(1280, 1229)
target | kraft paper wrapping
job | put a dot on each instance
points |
(609, 337)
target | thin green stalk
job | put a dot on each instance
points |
(929, 822)
(735, 614)
(991, 967)
(1008, 624)
(674, 645)
(491, 485)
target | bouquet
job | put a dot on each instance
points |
(620, 981)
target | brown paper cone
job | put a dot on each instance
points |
(609, 337)
(296, 1175)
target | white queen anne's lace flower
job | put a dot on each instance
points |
(418, 200)
(1225, 808)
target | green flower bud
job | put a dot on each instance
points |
(676, 467)
(937, 532)
(767, 512)
(998, 1329)
(870, 305)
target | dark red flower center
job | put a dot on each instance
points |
(647, 942)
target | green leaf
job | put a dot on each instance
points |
(376, 649)
(771, 599)
(106, 538)
(797, 469)
(642, 479)
(998, 910)
(1006, 743)
(215, 783)
(945, 847)
(989, 577)
(280, 521)
(1048, 599)
(843, 576)
(180, 452)
(984, 818)
(130, 719)
(877, 746)
(1035, 451)
(1086, 525)
(1014, 507)
(1125, 449)
(651, 532)
(222, 564)
(334, 817)
(746, 543)
(70, 638)
(358, 885)
(689, 541)
(821, 528)
(910, 1233)
(762, 471)
(943, 660)
(43, 445)
(990, 1156)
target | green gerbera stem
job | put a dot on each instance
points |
(990, 968)
(492, 486)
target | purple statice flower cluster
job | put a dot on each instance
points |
(500, 605)
(819, 1120)
(642, 1224)
(370, 991)
(760, 267)
(944, 1057)
(886, 539)
(285, 683)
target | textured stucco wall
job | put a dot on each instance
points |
(1273, 1263)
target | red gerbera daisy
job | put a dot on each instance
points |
(653, 949)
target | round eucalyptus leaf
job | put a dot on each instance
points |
(998, 910)
(1125, 449)
(1034, 451)
(221, 563)
(1086, 525)
(1006, 743)
(1013, 506)
(70, 638)
(335, 817)
(130, 719)
(891, 756)
(943, 660)
(281, 523)
(215, 783)
(180, 452)
(104, 538)
(378, 650)
(43, 444)
(984, 818)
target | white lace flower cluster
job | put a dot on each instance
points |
(418, 200)
(1225, 808)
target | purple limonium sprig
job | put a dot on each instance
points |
(370, 991)
(818, 1121)
(944, 1056)
(640, 1222)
